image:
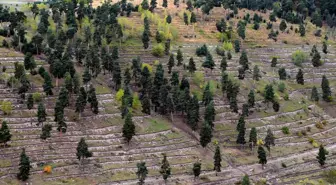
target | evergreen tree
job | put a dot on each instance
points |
(169, 19)
(68, 82)
(153, 5)
(116, 75)
(167, 46)
(229, 56)
(63, 97)
(193, 113)
(46, 131)
(314, 94)
(223, 64)
(283, 26)
(197, 169)
(262, 156)
(127, 77)
(171, 63)
(83, 150)
(209, 114)
(269, 93)
(245, 110)
(326, 91)
(325, 47)
(241, 131)
(253, 137)
(246, 180)
(209, 62)
(302, 30)
(5, 134)
(207, 95)
(243, 61)
(179, 57)
(241, 73)
(274, 62)
(145, 5)
(157, 83)
(24, 169)
(30, 102)
(142, 172)
(76, 83)
(146, 104)
(251, 98)
(282, 73)
(237, 46)
(241, 31)
(299, 77)
(217, 160)
(256, 73)
(92, 99)
(174, 81)
(81, 101)
(269, 140)
(316, 59)
(19, 70)
(321, 157)
(29, 62)
(233, 104)
(128, 128)
(47, 86)
(192, 65)
(158, 37)
(41, 113)
(165, 3)
(165, 168)
(205, 134)
(86, 76)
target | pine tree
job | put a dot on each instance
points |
(171, 63)
(68, 82)
(165, 3)
(245, 110)
(197, 169)
(299, 77)
(326, 91)
(207, 95)
(81, 101)
(193, 113)
(302, 30)
(237, 46)
(127, 77)
(24, 169)
(325, 47)
(316, 59)
(269, 93)
(158, 37)
(241, 131)
(253, 137)
(179, 57)
(116, 75)
(246, 180)
(63, 97)
(165, 168)
(41, 113)
(19, 70)
(209, 62)
(269, 140)
(174, 80)
(145, 5)
(142, 172)
(153, 5)
(262, 156)
(145, 39)
(185, 18)
(169, 19)
(47, 86)
(92, 99)
(86, 76)
(276, 106)
(314, 94)
(209, 114)
(83, 150)
(223, 64)
(274, 62)
(243, 61)
(29, 62)
(205, 134)
(251, 98)
(192, 65)
(146, 105)
(46, 131)
(282, 74)
(233, 104)
(128, 128)
(217, 160)
(229, 56)
(256, 73)
(5, 134)
(167, 46)
(283, 25)
(30, 103)
(190, 5)
(322, 155)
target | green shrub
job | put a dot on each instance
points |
(136, 104)
(119, 95)
(285, 130)
(286, 96)
(227, 46)
(220, 51)
(198, 79)
(158, 50)
(299, 57)
(12, 82)
(282, 87)
(6, 107)
(37, 97)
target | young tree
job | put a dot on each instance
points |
(302, 30)
(179, 57)
(92, 99)
(47, 86)
(243, 61)
(246, 180)
(237, 46)
(269, 140)
(314, 94)
(256, 73)
(321, 157)
(86, 76)
(76, 83)
(128, 128)
(241, 131)
(83, 150)
(282, 73)
(185, 18)
(193, 113)
(192, 65)
(274, 62)
(165, 168)
(171, 63)
(209, 62)
(142, 172)
(81, 101)
(5, 134)
(217, 160)
(325, 47)
(269, 93)
(205, 134)
(169, 19)
(24, 169)
(207, 95)
(251, 98)
(245, 110)
(253, 137)
(46, 131)
(316, 60)
(41, 113)
(197, 169)
(153, 5)
(29, 62)
(30, 104)
(127, 77)
(145, 5)
(299, 77)
(165, 3)
(283, 25)
(63, 97)
(19, 70)
(326, 91)
(223, 64)
(262, 156)
(276, 106)
(209, 114)
(146, 104)
(167, 46)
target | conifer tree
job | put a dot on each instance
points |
(276, 106)
(185, 18)
(251, 98)
(157, 83)
(63, 97)
(167, 46)
(128, 128)
(171, 63)
(282, 74)
(269, 140)
(165, 3)
(41, 113)
(253, 137)
(47, 86)
(283, 25)
(169, 19)
(146, 104)
(83, 150)
(46, 131)
(237, 46)
(179, 57)
(217, 160)
(142, 172)
(192, 65)
(316, 59)
(325, 47)
(246, 180)
(197, 169)
(5, 134)
(269, 93)
(127, 77)
(205, 134)
(209, 62)
(321, 157)
(174, 80)
(145, 39)
(193, 113)
(274, 62)
(81, 101)
(92, 99)
(19, 70)
(153, 5)
(116, 75)
(223, 64)
(158, 37)
(61, 125)
(326, 91)
(29, 62)
(256, 73)
(86, 76)
(243, 61)
(165, 168)
(262, 156)
(302, 30)
(224, 81)
(241, 131)
(209, 114)
(30, 103)
(24, 169)
(299, 77)
(233, 104)
(145, 5)
(314, 94)
(245, 110)
(229, 56)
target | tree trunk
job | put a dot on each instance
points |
(56, 82)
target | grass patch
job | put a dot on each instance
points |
(156, 125)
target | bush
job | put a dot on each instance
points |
(37, 97)
(198, 78)
(282, 87)
(227, 46)
(299, 57)
(6, 107)
(41, 71)
(283, 165)
(319, 125)
(285, 130)
(220, 51)
(318, 33)
(119, 95)
(158, 50)
(150, 68)
(136, 104)
(286, 97)
(12, 82)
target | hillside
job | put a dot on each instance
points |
(87, 48)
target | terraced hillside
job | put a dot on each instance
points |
(300, 125)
